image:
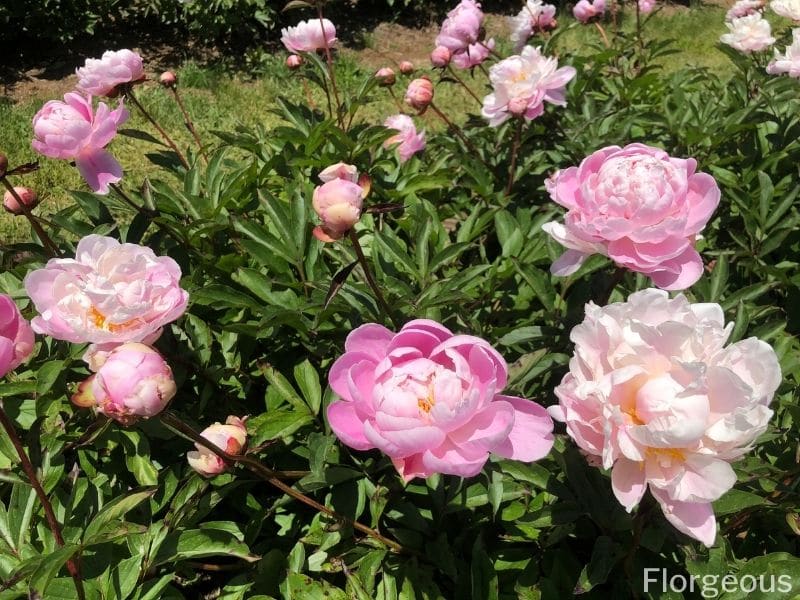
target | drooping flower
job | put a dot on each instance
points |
(462, 34)
(28, 197)
(586, 10)
(309, 36)
(751, 33)
(789, 61)
(110, 292)
(134, 382)
(654, 392)
(786, 8)
(408, 141)
(637, 205)
(230, 437)
(419, 94)
(742, 8)
(431, 401)
(16, 336)
(73, 130)
(102, 76)
(521, 85)
(338, 201)
(534, 17)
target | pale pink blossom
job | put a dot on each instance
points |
(655, 393)
(751, 33)
(408, 141)
(101, 76)
(586, 10)
(385, 76)
(789, 61)
(637, 205)
(230, 437)
(786, 8)
(462, 34)
(309, 36)
(646, 6)
(28, 197)
(474, 55)
(338, 201)
(431, 401)
(419, 94)
(294, 61)
(521, 85)
(110, 292)
(742, 8)
(73, 130)
(134, 382)
(534, 17)
(16, 336)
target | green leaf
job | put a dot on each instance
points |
(276, 424)
(200, 543)
(302, 587)
(604, 557)
(114, 510)
(308, 382)
(736, 500)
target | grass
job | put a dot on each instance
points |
(222, 100)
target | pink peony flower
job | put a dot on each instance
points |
(474, 55)
(521, 84)
(72, 130)
(168, 79)
(101, 76)
(309, 36)
(646, 6)
(385, 76)
(638, 206)
(110, 292)
(28, 197)
(786, 8)
(132, 383)
(431, 401)
(16, 336)
(742, 8)
(440, 57)
(585, 10)
(461, 33)
(230, 437)
(406, 67)
(408, 141)
(653, 391)
(294, 61)
(534, 17)
(338, 201)
(748, 34)
(419, 94)
(789, 61)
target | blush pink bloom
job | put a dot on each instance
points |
(474, 55)
(655, 393)
(309, 36)
(742, 8)
(789, 61)
(461, 33)
(101, 76)
(431, 401)
(407, 140)
(440, 57)
(134, 382)
(534, 17)
(584, 11)
(786, 8)
(751, 33)
(294, 61)
(110, 292)
(646, 6)
(521, 85)
(338, 201)
(419, 94)
(230, 437)
(72, 130)
(28, 197)
(16, 336)
(638, 206)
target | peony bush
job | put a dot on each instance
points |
(544, 351)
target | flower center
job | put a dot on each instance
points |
(101, 322)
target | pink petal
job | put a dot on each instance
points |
(485, 430)
(703, 199)
(99, 169)
(531, 436)
(628, 482)
(453, 460)
(695, 519)
(347, 426)
(339, 377)
(370, 339)
(689, 267)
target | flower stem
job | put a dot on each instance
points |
(130, 95)
(329, 60)
(602, 34)
(457, 130)
(187, 120)
(72, 564)
(149, 214)
(464, 85)
(368, 274)
(47, 241)
(514, 151)
(174, 422)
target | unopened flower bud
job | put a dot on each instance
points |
(419, 94)
(440, 57)
(406, 67)
(338, 201)
(28, 197)
(385, 76)
(168, 79)
(294, 61)
(230, 437)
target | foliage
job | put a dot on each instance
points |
(271, 306)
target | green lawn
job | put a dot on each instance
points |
(221, 100)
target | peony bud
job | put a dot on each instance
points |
(440, 57)
(168, 79)
(294, 61)
(28, 197)
(230, 437)
(134, 382)
(338, 200)
(406, 67)
(3, 165)
(517, 106)
(385, 76)
(419, 94)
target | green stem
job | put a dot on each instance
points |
(370, 279)
(130, 95)
(187, 120)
